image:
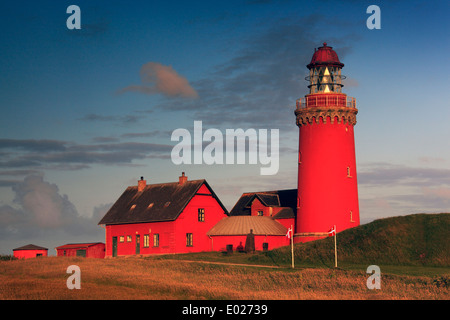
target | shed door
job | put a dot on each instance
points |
(81, 253)
(138, 244)
(114, 246)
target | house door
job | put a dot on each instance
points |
(138, 244)
(114, 246)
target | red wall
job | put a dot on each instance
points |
(96, 251)
(326, 195)
(25, 254)
(172, 234)
(220, 242)
(164, 229)
(258, 206)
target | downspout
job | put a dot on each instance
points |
(212, 242)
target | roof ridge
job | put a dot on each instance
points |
(166, 183)
(268, 191)
(30, 246)
(81, 243)
(133, 205)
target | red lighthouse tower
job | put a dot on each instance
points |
(327, 185)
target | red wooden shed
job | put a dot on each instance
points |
(88, 250)
(30, 251)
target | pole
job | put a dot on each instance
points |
(292, 245)
(335, 248)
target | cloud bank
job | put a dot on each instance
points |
(391, 190)
(54, 154)
(40, 209)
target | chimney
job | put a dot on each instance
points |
(141, 184)
(182, 179)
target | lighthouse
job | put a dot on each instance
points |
(327, 193)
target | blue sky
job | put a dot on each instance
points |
(80, 121)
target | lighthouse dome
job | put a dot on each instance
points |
(325, 56)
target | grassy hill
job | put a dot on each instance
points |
(418, 240)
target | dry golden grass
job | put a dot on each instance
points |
(139, 278)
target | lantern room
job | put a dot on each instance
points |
(325, 71)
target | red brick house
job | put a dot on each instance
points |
(162, 218)
(30, 251)
(88, 250)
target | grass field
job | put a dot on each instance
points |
(146, 278)
(412, 253)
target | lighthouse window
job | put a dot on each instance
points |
(129, 239)
(348, 172)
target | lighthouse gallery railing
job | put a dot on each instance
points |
(326, 101)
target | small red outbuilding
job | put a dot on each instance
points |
(88, 250)
(30, 251)
(233, 231)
